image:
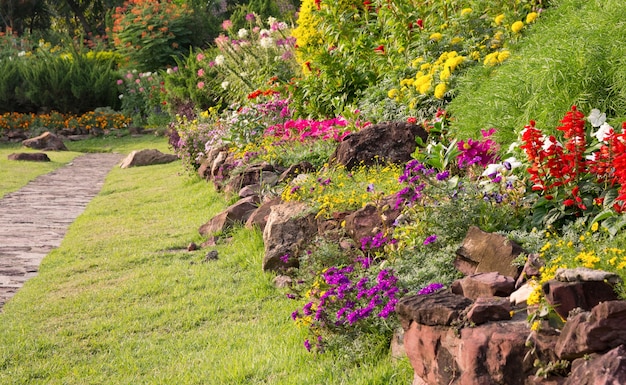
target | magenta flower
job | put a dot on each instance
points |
(430, 239)
(433, 287)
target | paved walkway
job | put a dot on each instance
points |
(34, 220)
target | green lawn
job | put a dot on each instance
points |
(16, 174)
(121, 301)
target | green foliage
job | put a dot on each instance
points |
(143, 97)
(151, 33)
(574, 56)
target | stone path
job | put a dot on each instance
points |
(33, 220)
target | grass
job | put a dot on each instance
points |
(16, 174)
(122, 301)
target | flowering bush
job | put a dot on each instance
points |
(583, 177)
(143, 97)
(94, 122)
(152, 32)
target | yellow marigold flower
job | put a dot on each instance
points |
(416, 61)
(491, 59)
(503, 55)
(535, 296)
(475, 55)
(401, 49)
(440, 90)
(517, 26)
(436, 36)
(547, 246)
(499, 19)
(582, 238)
(594, 227)
(445, 74)
(423, 84)
(456, 40)
(466, 11)
(612, 261)
(531, 17)
(392, 93)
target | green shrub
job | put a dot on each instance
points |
(560, 64)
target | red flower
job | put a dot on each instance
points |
(380, 49)
(411, 120)
(420, 23)
(568, 202)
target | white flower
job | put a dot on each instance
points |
(242, 33)
(264, 33)
(596, 118)
(219, 60)
(591, 157)
(492, 169)
(266, 42)
(603, 132)
(271, 20)
(120, 96)
(547, 143)
(21, 53)
(169, 71)
(511, 163)
(225, 84)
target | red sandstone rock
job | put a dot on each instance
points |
(489, 309)
(440, 308)
(605, 369)
(259, 216)
(483, 252)
(46, 141)
(256, 174)
(490, 284)
(565, 296)
(236, 213)
(289, 229)
(369, 220)
(601, 329)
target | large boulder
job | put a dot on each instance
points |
(262, 174)
(440, 308)
(239, 212)
(29, 156)
(384, 142)
(46, 142)
(289, 229)
(259, 216)
(369, 220)
(483, 252)
(150, 157)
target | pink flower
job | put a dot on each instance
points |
(200, 85)
(200, 72)
(120, 82)
(226, 25)
(199, 57)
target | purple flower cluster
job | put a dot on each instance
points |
(349, 297)
(412, 176)
(376, 242)
(430, 239)
(433, 287)
(481, 152)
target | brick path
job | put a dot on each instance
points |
(33, 220)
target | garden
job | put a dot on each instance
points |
(522, 109)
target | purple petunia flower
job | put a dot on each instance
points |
(430, 239)
(307, 345)
(433, 287)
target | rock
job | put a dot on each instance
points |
(140, 158)
(605, 369)
(531, 269)
(257, 174)
(283, 281)
(489, 309)
(289, 228)
(294, 170)
(29, 156)
(440, 308)
(491, 353)
(521, 295)
(566, 296)
(544, 340)
(238, 212)
(484, 285)
(218, 161)
(249, 191)
(369, 220)
(483, 252)
(599, 330)
(397, 344)
(192, 247)
(212, 255)
(384, 142)
(204, 170)
(259, 216)
(583, 274)
(46, 141)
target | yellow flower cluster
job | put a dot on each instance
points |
(337, 189)
(439, 71)
(496, 58)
